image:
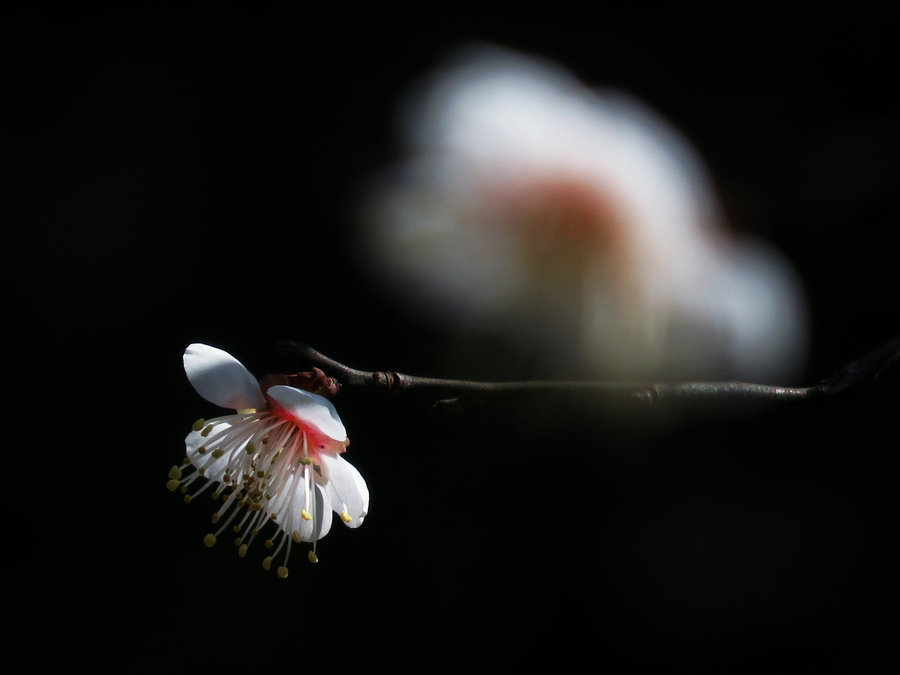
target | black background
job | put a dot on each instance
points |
(188, 174)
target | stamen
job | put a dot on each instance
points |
(306, 515)
(346, 517)
(188, 498)
(312, 557)
(172, 485)
(228, 501)
(198, 425)
(283, 570)
(175, 473)
(206, 430)
(209, 540)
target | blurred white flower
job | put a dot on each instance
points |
(278, 457)
(578, 225)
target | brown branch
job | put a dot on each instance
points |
(851, 378)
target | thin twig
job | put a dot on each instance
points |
(848, 379)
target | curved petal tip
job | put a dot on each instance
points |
(220, 378)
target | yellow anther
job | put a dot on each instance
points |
(268, 543)
(183, 489)
(209, 540)
(242, 550)
(206, 430)
(312, 557)
(346, 517)
(198, 425)
(236, 529)
(201, 450)
(172, 485)
(251, 449)
(215, 518)
(267, 562)
(201, 471)
(175, 473)
(238, 542)
(246, 411)
(187, 499)
(218, 452)
(282, 572)
(306, 515)
(305, 460)
(295, 535)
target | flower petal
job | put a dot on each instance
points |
(287, 504)
(322, 521)
(346, 488)
(311, 409)
(290, 502)
(221, 379)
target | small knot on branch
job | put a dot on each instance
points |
(388, 380)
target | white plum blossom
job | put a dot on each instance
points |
(276, 459)
(578, 225)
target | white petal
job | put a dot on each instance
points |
(221, 379)
(311, 409)
(346, 488)
(289, 504)
(322, 514)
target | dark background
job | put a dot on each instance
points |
(188, 174)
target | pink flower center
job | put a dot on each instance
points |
(316, 441)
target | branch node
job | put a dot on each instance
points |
(388, 380)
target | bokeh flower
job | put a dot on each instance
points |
(578, 226)
(276, 459)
